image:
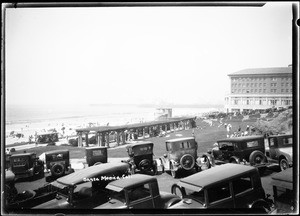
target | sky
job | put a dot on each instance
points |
(138, 55)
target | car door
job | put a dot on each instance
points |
(140, 197)
(272, 148)
(219, 196)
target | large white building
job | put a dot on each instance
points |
(260, 88)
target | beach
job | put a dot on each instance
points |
(29, 121)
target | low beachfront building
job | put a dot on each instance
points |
(259, 89)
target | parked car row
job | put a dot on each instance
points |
(251, 150)
(110, 186)
(125, 185)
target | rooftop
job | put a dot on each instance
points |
(260, 71)
(214, 175)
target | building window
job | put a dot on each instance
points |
(260, 84)
(255, 85)
(287, 91)
(251, 84)
(259, 91)
(265, 84)
(260, 102)
(255, 90)
(282, 90)
(287, 84)
(274, 78)
(236, 102)
(273, 102)
(247, 84)
(264, 90)
(248, 102)
(251, 90)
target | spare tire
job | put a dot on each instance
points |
(57, 170)
(145, 165)
(187, 162)
(257, 157)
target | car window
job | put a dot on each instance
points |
(139, 192)
(241, 184)
(287, 141)
(182, 145)
(272, 143)
(118, 196)
(226, 146)
(196, 195)
(251, 144)
(219, 192)
(98, 153)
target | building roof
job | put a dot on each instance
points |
(261, 71)
(214, 175)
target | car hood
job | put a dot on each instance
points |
(187, 203)
(288, 150)
(54, 204)
(112, 204)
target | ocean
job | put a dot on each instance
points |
(30, 119)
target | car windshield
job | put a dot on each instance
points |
(142, 150)
(198, 196)
(118, 196)
(226, 146)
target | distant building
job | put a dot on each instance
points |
(260, 88)
(163, 113)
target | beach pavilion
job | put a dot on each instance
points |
(121, 132)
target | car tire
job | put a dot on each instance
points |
(189, 160)
(283, 163)
(97, 163)
(57, 170)
(257, 157)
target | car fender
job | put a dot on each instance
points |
(286, 155)
(260, 203)
(235, 159)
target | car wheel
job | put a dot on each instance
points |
(174, 173)
(177, 190)
(187, 162)
(257, 157)
(283, 164)
(57, 170)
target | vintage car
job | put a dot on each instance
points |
(141, 157)
(48, 137)
(181, 155)
(249, 150)
(58, 163)
(227, 186)
(137, 191)
(83, 189)
(25, 165)
(96, 155)
(280, 150)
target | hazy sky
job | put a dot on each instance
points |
(139, 54)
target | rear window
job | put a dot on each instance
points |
(97, 153)
(139, 193)
(287, 141)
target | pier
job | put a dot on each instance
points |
(132, 131)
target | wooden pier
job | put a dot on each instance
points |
(122, 132)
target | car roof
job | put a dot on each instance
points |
(281, 135)
(92, 172)
(214, 175)
(180, 139)
(57, 151)
(139, 144)
(242, 138)
(130, 181)
(23, 154)
(97, 147)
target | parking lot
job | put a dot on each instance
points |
(165, 181)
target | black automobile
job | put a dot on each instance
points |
(141, 158)
(248, 150)
(25, 165)
(96, 155)
(58, 163)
